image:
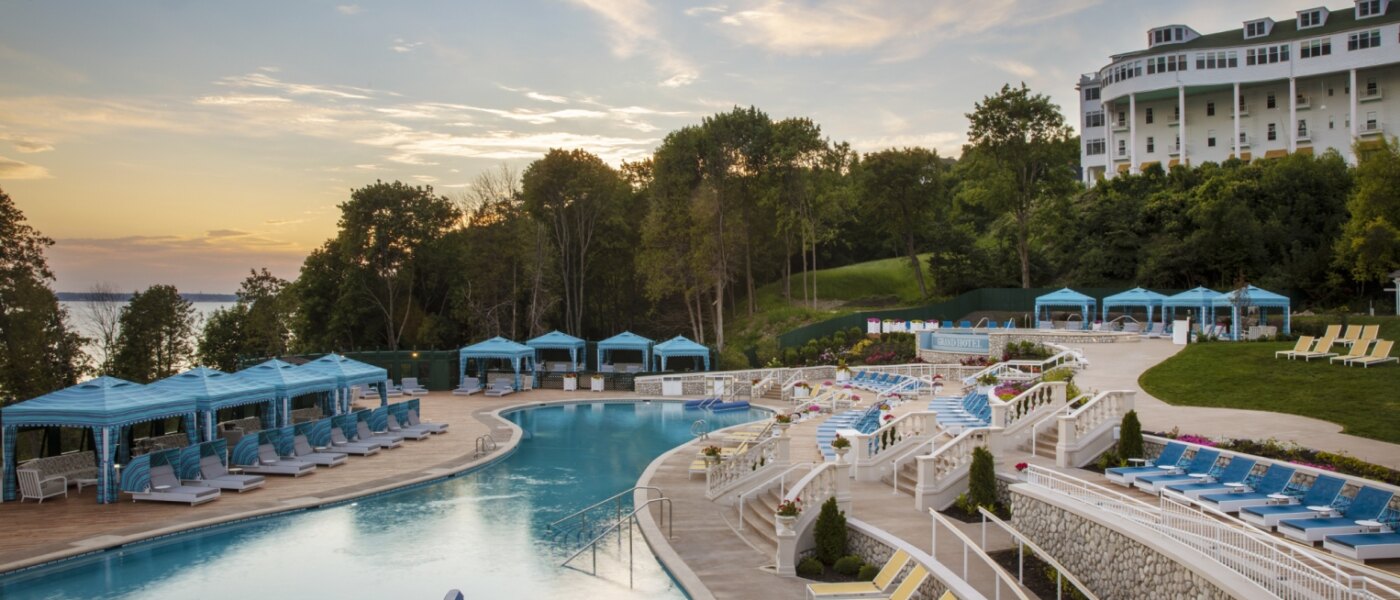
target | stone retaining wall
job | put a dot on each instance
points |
(1111, 563)
(876, 552)
(998, 340)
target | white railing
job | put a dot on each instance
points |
(1022, 542)
(780, 479)
(1270, 563)
(1022, 369)
(755, 460)
(1052, 420)
(1013, 415)
(1001, 580)
(893, 437)
(814, 489)
(913, 454)
(1081, 426)
(940, 471)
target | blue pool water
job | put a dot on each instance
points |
(484, 532)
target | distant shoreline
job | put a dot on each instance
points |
(124, 297)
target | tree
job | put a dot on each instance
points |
(1130, 436)
(103, 309)
(904, 190)
(982, 480)
(1369, 246)
(829, 532)
(257, 325)
(38, 352)
(1021, 142)
(221, 343)
(156, 340)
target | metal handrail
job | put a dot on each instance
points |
(1021, 543)
(630, 519)
(1054, 417)
(485, 444)
(1001, 576)
(605, 501)
(700, 429)
(768, 483)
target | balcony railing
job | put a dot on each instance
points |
(1371, 128)
(1370, 93)
(1302, 102)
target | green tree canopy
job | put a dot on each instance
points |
(157, 333)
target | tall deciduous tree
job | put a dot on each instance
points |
(257, 325)
(904, 190)
(1021, 141)
(157, 335)
(103, 309)
(38, 353)
(1369, 247)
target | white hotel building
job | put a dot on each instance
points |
(1320, 80)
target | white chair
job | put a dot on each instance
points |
(409, 385)
(33, 485)
(470, 385)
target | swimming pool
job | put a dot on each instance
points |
(484, 532)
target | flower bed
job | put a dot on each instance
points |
(1298, 455)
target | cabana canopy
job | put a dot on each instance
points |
(558, 340)
(348, 372)
(107, 405)
(1136, 297)
(1253, 296)
(497, 347)
(680, 346)
(213, 390)
(1065, 298)
(625, 341)
(290, 381)
(1198, 298)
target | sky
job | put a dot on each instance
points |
(188, 142)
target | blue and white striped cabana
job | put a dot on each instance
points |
(107, 406)
(290, 382)
(1199, 299)
(679, 347)
(1065, 298)
(348, 372)
(496, 348)
(1136, 298)
(624, 341)
(1256, 297)
(558, 340)
(214, 390)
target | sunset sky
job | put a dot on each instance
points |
(186, 142)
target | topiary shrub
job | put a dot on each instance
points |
(1130, 436)
(867, 573)
(855, 334)
(848, 565)
(830, 532)
(790, 356)
(810, 567)
(982, 480)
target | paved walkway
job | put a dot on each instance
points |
(1118, 367)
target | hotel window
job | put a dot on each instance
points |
(1122, 118)
(1362, 40)
(1122, 148)
(1266, 55)
(1255, 29)
(1317, 47)
(1210, 109)
(1093, 119)
(1312, 18)
(1370, 122)
(1151, 145)
(1273, 132)
(1091, 93)
(1270, 102)
(1149, 116)
(1331, 122)
(1368, 8)
(1094, 147)
(1210, 138)
(1302, 128)
(1217, 60)
(1371, 87)
(1176, 114)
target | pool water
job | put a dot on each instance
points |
(485, 532)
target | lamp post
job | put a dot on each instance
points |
(1395, 279)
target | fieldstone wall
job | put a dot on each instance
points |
(997, 342)
(1110, 563)
(875, 552)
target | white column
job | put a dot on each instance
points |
(1292, 115)
(1110, 152)
(1352, 100)
(1181, 124)
(1236, 108)
(1132, 133)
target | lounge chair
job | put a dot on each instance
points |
(1304, 344)
(393, 427)
(165, 487)
(470, 385)
(1379, 355)
(1324, 491)
(340, 444)
(268, 463)
(1368, 505)
(302, 450)
(33, 485)
(1323, 349)
(500, 387)
(1359, 350)
(1274, 481)
(1232, 476)
(1352, 335)
(911, 584)
(410, 385)
(413, 421)
(1369, 333)
(363, 434)
(213, 473)
(1203, 463)
(882, 581)
(1168, 460)
(1365, 546)
(1333, 331)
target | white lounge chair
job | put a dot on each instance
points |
(363, 434)
(340, 444)
(500, 387)
(409, 385)
(1365, 546)
(268, 463)
(302, 450)
(1379, 355)
(413, 433)
(470, 385)
(214, 474)
(34, 486)
(165, 487)
(413, 421)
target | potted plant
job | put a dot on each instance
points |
(841, 446)
(843, 372)
(595, 383)
(570, 382)
(781, 422)
(987, 383)
(801, 390)
(711, 454)
(786, 515)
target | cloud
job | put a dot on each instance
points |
(948, 143)
(14, 169)
(696, 11)
(349, 10)
(26, 144)
(201, 263)
(632, 30)
(225, 233)
(402, 46)
(413, 147)
(264, 81)
(1014, 67)
(283, 222)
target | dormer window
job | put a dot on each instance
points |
(1167, 35)
(1370, 8)
(1260, 28)
(1313, 17)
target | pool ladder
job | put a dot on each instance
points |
(700, 429)
(623, 525)
(485, 444)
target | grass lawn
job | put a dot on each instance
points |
(1390, 326)
(889, 283)
(1365, 402)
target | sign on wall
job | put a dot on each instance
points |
(961, 343)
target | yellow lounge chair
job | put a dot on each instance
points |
(1357, 351)
(1333, 331)
(1351, 336)
(1304, 343)
(1370, 332)
(1323, 349)
(911, 584)
(1379, 355)
(948, 595)
(862, 588)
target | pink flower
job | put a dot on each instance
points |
(1021, 466)
(889, 417)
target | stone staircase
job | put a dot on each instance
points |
(952, 412)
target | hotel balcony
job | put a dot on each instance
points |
(1370, 94)
(1174, 150)
(1303, 102)
(1120, 126)
(1370, 129)
(1243, 111)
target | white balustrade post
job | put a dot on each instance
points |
(998, 411)
(1059, 393)
(843, 486)
(786, 559)
(782, 453)
(1064, 441)
(1129, 399)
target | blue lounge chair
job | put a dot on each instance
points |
(991, 324)
(1202, 463)
(1324, 491)
(948, 324)
(1365, 546)
(1368, 505)
(964, 324)
(1169, 459)
(1274, 481)
(1236, 472)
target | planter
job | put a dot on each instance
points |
(784, 524)
(801, 392)
(843, 376)
(841, 453)
(781, 428)
(711, 461)
(570, 384)
(596, 384)
(989, 391)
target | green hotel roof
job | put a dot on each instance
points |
(1284, 30)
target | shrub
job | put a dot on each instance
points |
(810, 567)
(1110, 459)
(830, 532)
(1130, 436)
(855, 333)
(982, 480)
(867, 573)
(838, 339)
(848, 565)
(790, 356)
(1066, 375)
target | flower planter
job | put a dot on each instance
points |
(570, 384)
(781, 428)
(596, 384)
(784, 524)
(801, 392)
(841, 453)
(843, 376)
